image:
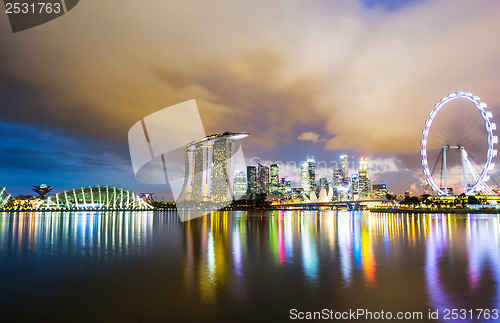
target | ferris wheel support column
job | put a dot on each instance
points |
(444, 169)
(463, 153)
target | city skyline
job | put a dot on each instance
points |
(344, 186)
(360, 80)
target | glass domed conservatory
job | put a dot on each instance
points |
(96, 198)
(4, 196)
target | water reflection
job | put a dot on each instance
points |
(463, 252)
(93, 235)
(270, 260)
(358, 246)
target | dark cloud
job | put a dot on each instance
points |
(362, 74)
(29, 103)
(242, 96)
(32, 154)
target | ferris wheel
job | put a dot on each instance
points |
(460, 142)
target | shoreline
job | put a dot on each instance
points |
(434, 211)
(374, 210)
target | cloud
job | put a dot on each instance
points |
(369, 85)
(383, 165)
(363, 76)
(310, 136)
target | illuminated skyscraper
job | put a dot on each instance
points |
(285, 187)
(274, 184)
(199, 189)
(341, 180)
(251, 180)
(337, 178)
(363, 166)
(338, 183)
(209, 170)
(262, 179)
(365, 184)
(311, 169)
(308, 175)
(304, 177)
(355, 186)
(223, 173)
(344, 166)
(323, 183)
(240, 183)
(380, 191)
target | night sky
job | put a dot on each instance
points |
(304, 78)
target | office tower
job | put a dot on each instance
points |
(380, 191)
(240, 183)
(365, 188)
(344, 166)
(287, 185)
(262, 179)
(311, 171)
(355, 186)
(274, 183)
(338, 184)
(304, 177)
(363, 166)
(308, 175)
(337, 178)
(364, 181)
(251, 180)
(323, 183)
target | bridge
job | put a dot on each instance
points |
(351, 205)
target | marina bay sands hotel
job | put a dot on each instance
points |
(209, 169)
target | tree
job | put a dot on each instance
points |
(473, 200)
(390, 197)
(425, 199)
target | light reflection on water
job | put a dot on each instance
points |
(362, 247)
(470, 250)
(93, 235)
(231, 262)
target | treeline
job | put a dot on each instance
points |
(457, 201)
(254, 202)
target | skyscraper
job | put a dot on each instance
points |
(285, 187)
(308, 175)
(344, 166)
(363, 165)
(240, 183)
(311, 169)
(337, 183)
(364, 181)
(202, 171)
(323, 183)
(251, 180)
(222, 175)
(262, 179)
(209, 171)
(355, 186)
(274, 184)
(380, 191)
(304, 177)
(337, 178)
(365, 185)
